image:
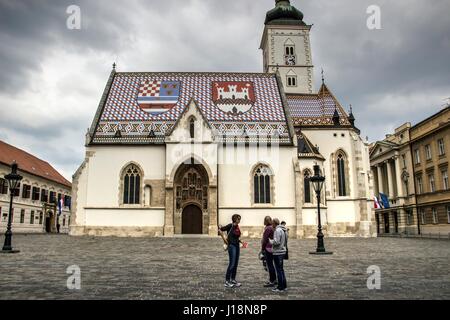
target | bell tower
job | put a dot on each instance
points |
(286, 47)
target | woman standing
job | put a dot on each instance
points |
(233, 235)
(266, 249)
(279, 250)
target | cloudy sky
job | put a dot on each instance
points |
(52, 78)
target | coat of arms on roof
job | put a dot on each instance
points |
(156, 97)
(233, 97)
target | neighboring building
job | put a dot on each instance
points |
(392, 169)
(430, 147)
(180, 153)
(411, 168)
(35, 207)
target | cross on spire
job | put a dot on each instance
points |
(323, 77)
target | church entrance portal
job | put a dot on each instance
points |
(191, 197)
(192, 220)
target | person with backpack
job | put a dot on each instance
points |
(279, 251)
(233, 239)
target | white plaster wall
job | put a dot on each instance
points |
(329, 144)
(124, 218)
(255, 217)
(202, 132)
(342, 211)
(310, 217)
(81, 196)
(105, 168)
(236, 175)
(177, 153)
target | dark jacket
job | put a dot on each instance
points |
(233, 233)
(268, 234)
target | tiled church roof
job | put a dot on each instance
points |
(119, 109)
(30, 164)
(311, 110)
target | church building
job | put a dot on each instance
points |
(173, 153)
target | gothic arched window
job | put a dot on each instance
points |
(342, 185)
(131, 185)
(262, 184)
(192, 128)
(307, 187)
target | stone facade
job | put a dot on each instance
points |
(410, 167)
(33, 216)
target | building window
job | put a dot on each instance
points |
(67, 201)
(441, 147)
(41, 217)
(132, 185)
(341, 175)
(44, 195)
(432, 183)
(36, 193)
(289, 50)
(26, 191)
(422, 216)
(22, 216)
(16, 191)
(291, 81)
(262, 184)
(3, 186)
(435, 216)
(32, 217)
(192, 127)
(428, 152)
(52, 197)
(419, 185)
(445, 179)
(417, 156)
(409, 217)
(64, 221)
(307, 187)
(448, 214)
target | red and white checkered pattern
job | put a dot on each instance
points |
(149, 89)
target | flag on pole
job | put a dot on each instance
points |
(384, 200)
(60, 205)
(377, 204)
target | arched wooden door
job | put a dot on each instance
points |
(192, 220)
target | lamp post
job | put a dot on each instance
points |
(13, 180)
(317, 181)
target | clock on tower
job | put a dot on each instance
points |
(289, 60)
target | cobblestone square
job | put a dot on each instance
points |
(194, 268)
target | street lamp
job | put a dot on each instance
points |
(13, 180)
(317, 181)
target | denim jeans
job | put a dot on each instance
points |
(278, 259)
(233, 253)
(270, 266)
